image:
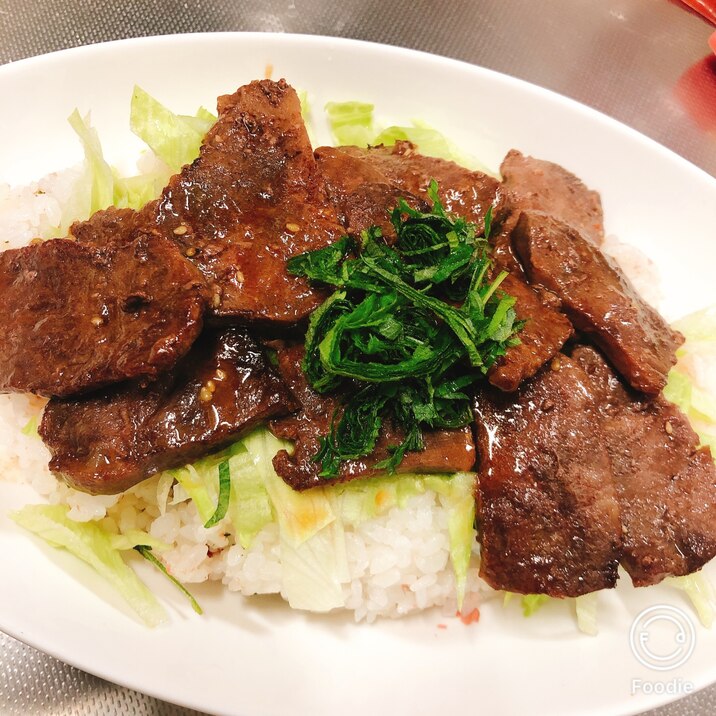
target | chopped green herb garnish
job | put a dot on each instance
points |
(409, 328)
(224, 494)
(146, 552)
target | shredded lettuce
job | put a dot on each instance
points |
(131, 539)
(313, 571)
(700, 591)
(430, 142)
(250, 505)
(92, 544)
(354, 123)
(692, 382)
(300, 515)
(174, 138)
(165, 481)
(586, 610)
(531, 603)
(351, 122)
(305, 105)
(457, 493)
(30, 428)
(198, 481)
(100, 173)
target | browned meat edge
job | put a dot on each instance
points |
(599, 300)
(547, 512)
(79, 317)
(107, 442)
(538, 185)
(666, 484)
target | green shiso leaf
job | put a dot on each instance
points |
(408, 330)
(224, 494)
(146, 552)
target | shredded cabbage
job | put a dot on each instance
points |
(351, 122)
(174, 138)
(586, 610)
(692, 382)
(250, 506)
(532, 602)
(136, 538)
(300, 515)
(30, 428)
(89, 542)
(700, 591)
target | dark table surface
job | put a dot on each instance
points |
(644, 62)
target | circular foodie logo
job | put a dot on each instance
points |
(662, 637)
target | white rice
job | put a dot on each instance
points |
(397, 563)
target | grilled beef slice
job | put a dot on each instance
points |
(544, 333)
(251, 200)
(665, 483)
(463, 192)
(106, 442)
(362, 194)
(547, 512)
(445, 450)
(598, 299)
(538, 185)
(78, 317)
(110, 226)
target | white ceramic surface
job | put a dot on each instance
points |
(255, 656)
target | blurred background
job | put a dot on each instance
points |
(646, 63)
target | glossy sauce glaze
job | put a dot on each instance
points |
(107, 442)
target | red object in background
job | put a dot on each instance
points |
(707, 8)
(696, 91)
(712, 42)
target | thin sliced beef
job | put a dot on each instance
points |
(503, 253)
(110, 226)
(251, 200)
(547, 510)
(107, 442)
(599, 300)
(362, 194)
(538, 185)
(666, 484)
(544, 333)
(78, 317)
(445, 450)
(464, 192)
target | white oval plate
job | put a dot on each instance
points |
(255, 656)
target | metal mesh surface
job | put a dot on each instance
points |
(624, 57)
